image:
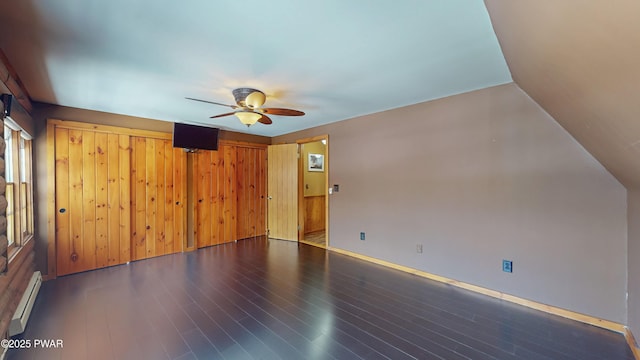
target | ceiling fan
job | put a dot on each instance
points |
(248, 108)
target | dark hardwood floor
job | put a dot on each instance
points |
(270, 299)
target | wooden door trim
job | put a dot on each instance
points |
(51, 202)
(301, 186)
(313, 139)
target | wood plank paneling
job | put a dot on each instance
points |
(75, 202)
(282, 189)
(153, 185)
(92, 198)
(179, 197)
(242, 209)
(138, 198)
(87, 243)
(161, 181)
(210, 227)
(63, 232)
(314, 214)
(102, 199)
(262, 192)
(124, 200)
(141, 182)
(113, 201)
(203, 198)
(151, 189)
(100, 180)
(217, 198)
(169, 206)
(251, 198)
(229, 189)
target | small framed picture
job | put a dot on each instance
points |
(316, 162)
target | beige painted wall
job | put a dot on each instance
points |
(313, 180)
(634, 262)
(477, 178)
(578, 64)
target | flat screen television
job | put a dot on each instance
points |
(195, 137)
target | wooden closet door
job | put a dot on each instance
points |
(209, 198)
(157, 215)
(92, 200)
(283, 191)
(215, 196)
(251, 179)
(230, 192)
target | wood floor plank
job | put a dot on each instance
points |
(456, 346)
(271, 299)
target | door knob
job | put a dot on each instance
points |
(269, 197)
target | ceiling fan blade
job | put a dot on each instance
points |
(221, 115)
(265, 120)
(212, 102)
(283, 112)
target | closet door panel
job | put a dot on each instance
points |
(92, 200)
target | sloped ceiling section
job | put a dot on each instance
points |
(580, 60)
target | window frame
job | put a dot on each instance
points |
(19, 163)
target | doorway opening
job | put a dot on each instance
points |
(313, 177)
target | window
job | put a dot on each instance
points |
(8, 175)
(19, 190)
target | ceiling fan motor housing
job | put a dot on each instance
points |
(248, 97)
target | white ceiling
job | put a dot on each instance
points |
(332, 59)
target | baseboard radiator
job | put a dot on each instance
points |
(21, 316)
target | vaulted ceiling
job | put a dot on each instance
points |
(580, 60)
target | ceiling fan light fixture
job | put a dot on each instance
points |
(249, 108)
(255, 99)
(247, 117)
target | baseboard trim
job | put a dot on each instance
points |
(591, 320)
(632, 343)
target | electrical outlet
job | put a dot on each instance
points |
(362, 236)
(507, 266)
(419, 248)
